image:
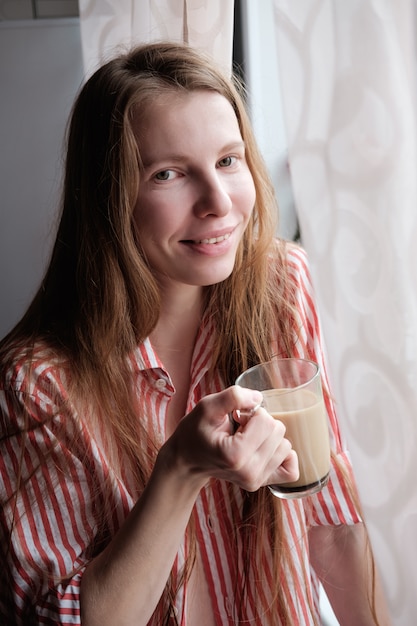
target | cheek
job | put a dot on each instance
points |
(155, 227)
(137, 216)
(247, 196)
(144, 227)
(145, 216)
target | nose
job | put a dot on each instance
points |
(213, 197)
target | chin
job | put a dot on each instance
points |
(203, 278)
(216, 279)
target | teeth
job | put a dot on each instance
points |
(215, 239)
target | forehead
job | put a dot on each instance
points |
(194, 112)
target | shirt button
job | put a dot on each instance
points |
(161, 383)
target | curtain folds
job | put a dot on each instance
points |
(348, 73)
(108, 26)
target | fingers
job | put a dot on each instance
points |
(243, 415)
(256, 454)
(236, 401)
(288, 471)
(199, 438)
(272, 460)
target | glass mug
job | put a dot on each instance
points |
(292, 393)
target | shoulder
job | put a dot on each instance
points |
(299, 289)
(33, 381)
(295, 259)
(26, 367)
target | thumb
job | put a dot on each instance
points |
(230, 401)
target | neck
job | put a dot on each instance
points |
(179, 319)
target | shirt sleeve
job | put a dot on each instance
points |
(48, 531)
(338, 502)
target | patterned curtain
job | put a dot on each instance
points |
(108, 26)
(348, 80)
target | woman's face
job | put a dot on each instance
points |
(196, 192)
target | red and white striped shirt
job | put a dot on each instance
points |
(55, 509)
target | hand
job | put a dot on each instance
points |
(257, 454)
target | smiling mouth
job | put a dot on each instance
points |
(211, 240)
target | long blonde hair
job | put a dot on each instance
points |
(99, 299)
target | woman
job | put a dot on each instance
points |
(126, 496)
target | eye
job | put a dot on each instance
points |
(165, 175)
(227, 161)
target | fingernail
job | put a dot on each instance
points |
(256, 407)
(252, 410)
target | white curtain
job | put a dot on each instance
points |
(109, 26)
(348, 78)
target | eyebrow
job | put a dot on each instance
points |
(233, 145)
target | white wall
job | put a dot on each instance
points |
(40, 73)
